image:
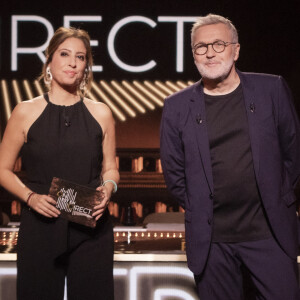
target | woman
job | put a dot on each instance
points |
(62, 134)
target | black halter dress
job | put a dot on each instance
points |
(64, 142)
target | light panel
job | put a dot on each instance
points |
(118, 99)
(6, 100)
(116, 111)
(138, 95)
(155, 89)
(147, 93)
(28, 89)
(117, 86)
(16, 91)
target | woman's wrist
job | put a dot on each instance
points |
(29, 197)
(112, 183)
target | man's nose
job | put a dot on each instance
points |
(210, 51)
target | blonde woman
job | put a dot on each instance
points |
(62, 134)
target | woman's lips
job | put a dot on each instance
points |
(70, 73)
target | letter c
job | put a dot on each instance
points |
(111, 41)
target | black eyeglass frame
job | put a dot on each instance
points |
(225, 44)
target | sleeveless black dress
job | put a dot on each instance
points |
(64, 142)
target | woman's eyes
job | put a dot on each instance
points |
(81, 57)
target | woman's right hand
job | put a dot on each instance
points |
(44, 205)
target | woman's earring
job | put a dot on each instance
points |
(82, 83)
(48, 77)
(84, 79)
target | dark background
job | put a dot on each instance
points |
(268, 34)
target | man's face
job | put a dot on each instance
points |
(213, 65)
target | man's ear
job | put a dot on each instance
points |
(237, 52)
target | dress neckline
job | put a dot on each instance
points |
(46, 97)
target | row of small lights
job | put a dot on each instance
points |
(149, 235)
(12, 237)
(8, 238)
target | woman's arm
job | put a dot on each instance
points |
(10, 147)
(14, 137)
(109, 166)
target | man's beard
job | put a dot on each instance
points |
(219, 72)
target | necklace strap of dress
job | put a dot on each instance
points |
(46, 97)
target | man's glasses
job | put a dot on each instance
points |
(218, 46)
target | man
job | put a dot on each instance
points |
(230, 148)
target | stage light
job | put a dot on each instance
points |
(181, 84)
(173, 86)
(163, 87)
(118, 99)
(146, 92)
(38, 87)
(117, 112)
(138, 95)
(155, 89)
(6, 100)
(91, 96)
(161, 294)
(27, 89)
(117, 86)
(137, 273)
(16, 90)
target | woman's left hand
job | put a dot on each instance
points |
(100, 208)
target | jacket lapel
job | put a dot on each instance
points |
(251, 107)
(197, 109)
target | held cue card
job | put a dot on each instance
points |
(75, 202)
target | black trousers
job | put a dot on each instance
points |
(51, 250)
(273, 273)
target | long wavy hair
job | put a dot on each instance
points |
(60, 35)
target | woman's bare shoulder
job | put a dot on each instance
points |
(29, 107)
(99, 108)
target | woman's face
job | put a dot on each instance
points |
(68, 63)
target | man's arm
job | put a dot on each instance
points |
(172, 153)
(289, 131)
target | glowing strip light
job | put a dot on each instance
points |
(173, 86)
(155, 89)
(65, 290)
(91, 96)
(160, 294)
(135, 272)
(8, 271)
(118, 99)
(16, 90)
(120, 272)
(27, 89)
(190, 82)
(163, 87)
(38, 87)
(138, 95)
(181, 84)
(145, 91)
(5, 96)
(128, 97)
(117, 112)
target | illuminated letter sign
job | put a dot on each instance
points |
(14, 39)
(179, 43)
(69, 19)
(111, 47)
